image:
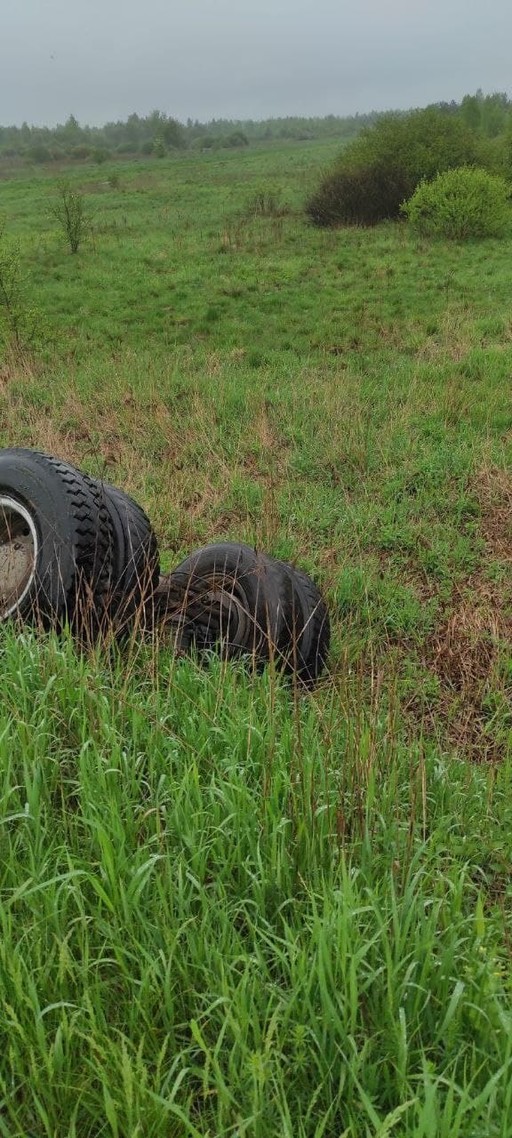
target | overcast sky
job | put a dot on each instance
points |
(103, 59)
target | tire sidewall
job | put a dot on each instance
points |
(39, 490)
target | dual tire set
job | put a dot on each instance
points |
(77, 551)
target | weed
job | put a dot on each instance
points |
(267, 203)
(22, 326)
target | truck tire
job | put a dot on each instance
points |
(229, 598)
(55, 546)
(135, 558)
(309, 631)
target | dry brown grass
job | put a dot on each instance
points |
(493, 488)
(468, 653)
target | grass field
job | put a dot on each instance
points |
(229, 907)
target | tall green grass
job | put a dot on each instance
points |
(226, 910)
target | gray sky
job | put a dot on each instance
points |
(103, 59)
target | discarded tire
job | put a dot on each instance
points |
(135, 569)
(230, 598)
(79, 551)
(227, 597)
(308, 628)
(55, 547)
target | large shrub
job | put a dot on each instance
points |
(358, 195)
(461, 203)
(383, 166)
(421, 143)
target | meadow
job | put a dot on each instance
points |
(228, 906)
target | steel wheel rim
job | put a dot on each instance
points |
(19, 548)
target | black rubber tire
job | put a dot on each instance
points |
(309, 630)
(135, 559)
(72, 558)
(229, 598)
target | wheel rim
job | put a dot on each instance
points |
(19, 547)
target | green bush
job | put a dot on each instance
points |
(39, 153)
(235, 139)
(267, 203)
(80, 152)
(100, 155)
(421, 143)
(467, 202)
(385, 163)
(363, 195)
(126, 148)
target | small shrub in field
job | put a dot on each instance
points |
(80, 152)
(100, 155)
(70, 212)
(39, 153)
(235, 138)
(461, 203)
(22, 328)
(267, 203)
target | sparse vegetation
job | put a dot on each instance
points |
(267, 203)
(21, 326)
(229, 906)
(12, 305)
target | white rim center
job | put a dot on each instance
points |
(19, 546)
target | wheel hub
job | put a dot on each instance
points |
(18, 554)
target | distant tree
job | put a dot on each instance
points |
(172, 134)
(71, 132)
(169, 130)
(494, 114)
(133, 128)
(471, 111)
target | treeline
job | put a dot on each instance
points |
(159, 134)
